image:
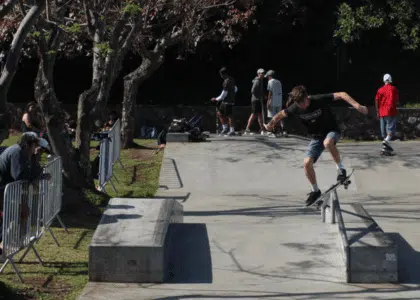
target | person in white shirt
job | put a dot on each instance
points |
(275, 98)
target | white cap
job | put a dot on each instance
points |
(260, 71)
(387, 78)
(42, 142)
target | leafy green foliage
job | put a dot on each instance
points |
(400, 17)
(132, 8)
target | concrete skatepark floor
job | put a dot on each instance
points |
(247, 236)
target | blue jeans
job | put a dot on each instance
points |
(388, 125)
(316, 146)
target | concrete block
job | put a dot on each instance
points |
(369, 254)
(177, 137)
(129, 243)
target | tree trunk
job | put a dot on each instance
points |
(83, 130)
(131, 84)
(12, 61)
(128, 112)
(52, 112)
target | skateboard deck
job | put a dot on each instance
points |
(386, 153)
(346, 182)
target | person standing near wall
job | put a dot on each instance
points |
(226, 101)
(274, 99)
(257, 100)
(386, 100)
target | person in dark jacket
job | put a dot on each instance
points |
(21, 161)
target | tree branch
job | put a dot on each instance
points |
(15, 52)
(6, 7)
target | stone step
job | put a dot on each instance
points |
(369, 254)
(129, 244)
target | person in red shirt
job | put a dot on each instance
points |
(386, 101)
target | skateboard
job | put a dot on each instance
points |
(346, 182)
(387, 150)
(386, 153)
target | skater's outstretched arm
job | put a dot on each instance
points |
(346, 97)
(277, 117)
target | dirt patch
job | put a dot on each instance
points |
(146, 152)
(54, 288)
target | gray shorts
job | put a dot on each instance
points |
(316, 146)
(273, 110)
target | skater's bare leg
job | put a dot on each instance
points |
(221, 118)
(308, 165)
(223, 121)
(250, 120)
(230, 120)
(260, 122)
(329, 144)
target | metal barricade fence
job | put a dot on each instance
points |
(105, 163)
(21, 215)
(52, 199)
(29, 211)
(110, 150)
(52, 191)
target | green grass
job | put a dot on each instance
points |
(65, 270)
(411, 105)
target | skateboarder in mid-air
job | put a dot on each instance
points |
(314, 111)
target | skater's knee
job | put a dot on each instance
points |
(329, 142)
(308, 162)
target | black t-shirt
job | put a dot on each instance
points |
(229, 87)
(317, 117)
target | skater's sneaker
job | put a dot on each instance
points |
(224, 131)
(313, 196)
(341, 175)
(387, 146)
(247, 132)
(271, 135)
(285, 134)
(231, 133)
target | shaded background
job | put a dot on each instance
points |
(301, 51)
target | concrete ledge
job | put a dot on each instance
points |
(369, 255)
(129, 243)
(177, 137)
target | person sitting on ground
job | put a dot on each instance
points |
(315, 112)
(32, 120)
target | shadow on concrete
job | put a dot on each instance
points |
(408, 260)
(188, 254)
(108, 219)
(181, 198)
(279, 146)
(122, 206)
(369, 156)
(277, 211)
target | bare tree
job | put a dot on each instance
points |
(187, 22)
(14, 52)
(111, 27)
